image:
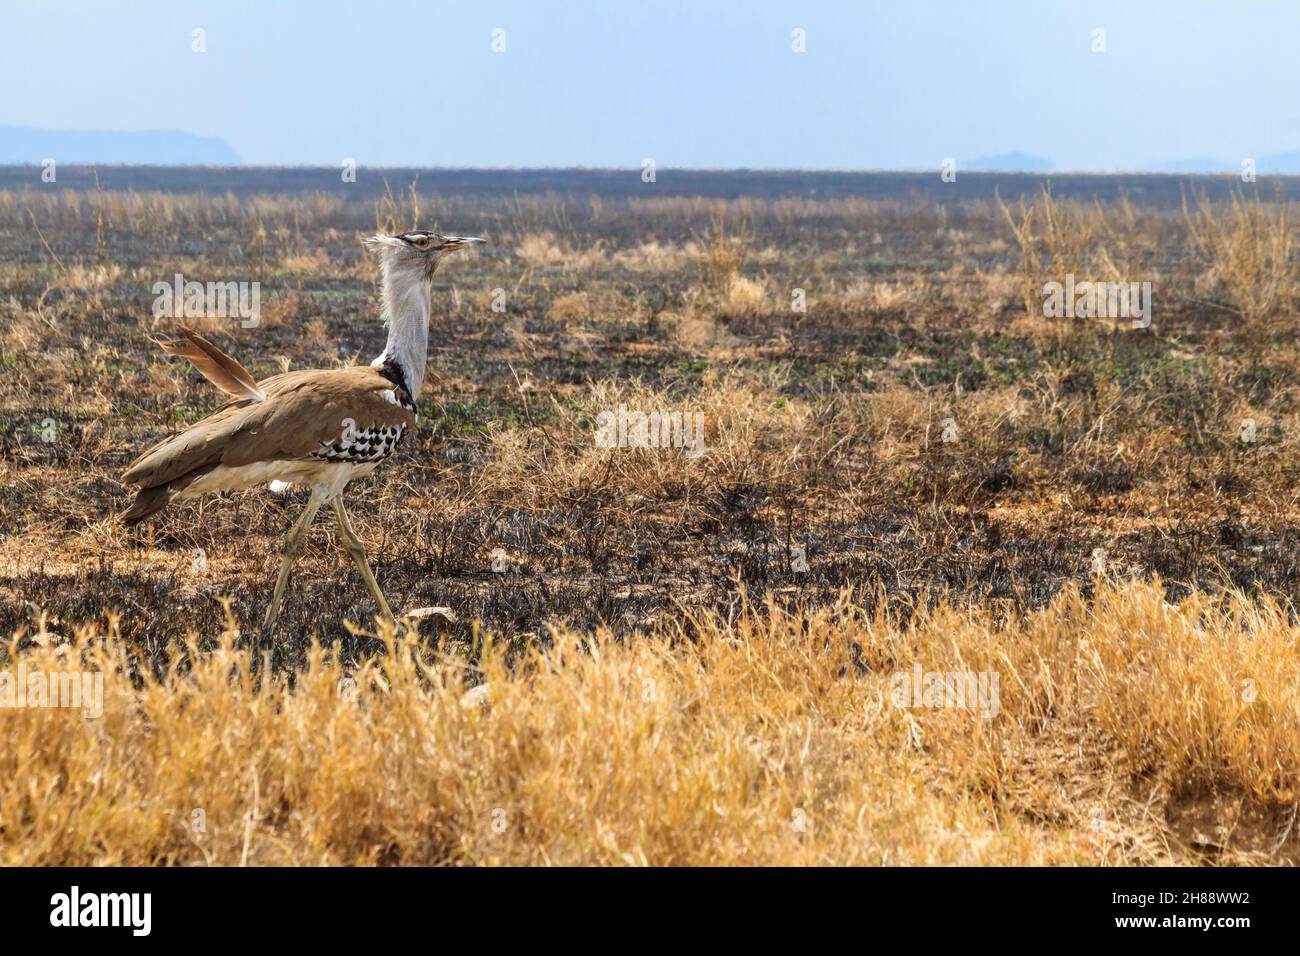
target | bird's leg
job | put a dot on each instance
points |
(292, 541)
(358, 551)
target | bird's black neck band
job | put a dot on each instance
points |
(392, 370)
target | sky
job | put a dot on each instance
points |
(705, 83)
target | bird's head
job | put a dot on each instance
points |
(419, 251)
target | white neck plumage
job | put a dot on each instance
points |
(405, 294)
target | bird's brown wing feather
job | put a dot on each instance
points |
(302, 412)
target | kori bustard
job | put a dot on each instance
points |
(317, 428)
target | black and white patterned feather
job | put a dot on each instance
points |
(360, 445)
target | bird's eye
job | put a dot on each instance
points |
(423, 242)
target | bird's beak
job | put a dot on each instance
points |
(452, 243)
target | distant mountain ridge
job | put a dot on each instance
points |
(1285, 163)
(28, 144)
(31, 146)
(1008, 163)
(1200, 165)
(1280, 164)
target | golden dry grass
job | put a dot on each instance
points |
(1124, 734)
(1128, 730)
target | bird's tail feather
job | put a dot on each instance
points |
(215, 365)
(150, 501)
(147, 501)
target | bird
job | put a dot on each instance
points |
(313, 428)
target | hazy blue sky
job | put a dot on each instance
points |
(708, 83)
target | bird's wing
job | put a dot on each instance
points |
(302, 413)
(215, 365)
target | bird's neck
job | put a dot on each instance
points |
(406, 313)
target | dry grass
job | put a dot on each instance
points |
(1124, 727)
(1249, 254)
(913, 438)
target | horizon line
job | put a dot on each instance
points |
(805, 170)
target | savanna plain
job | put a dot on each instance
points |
(649, 655)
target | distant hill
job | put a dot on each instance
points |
(26, 144)
(1198, 165)
(1281, 164)
(1287, 164)
(1009, 163)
